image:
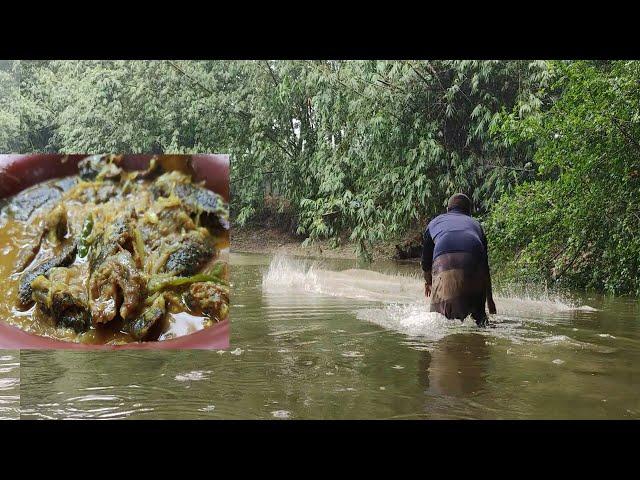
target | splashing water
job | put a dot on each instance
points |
(404, 308)
(286, 274)
(413, 320)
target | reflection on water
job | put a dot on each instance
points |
(335, 341)
(457, 367)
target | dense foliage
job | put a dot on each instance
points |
(372, 148)
(9, 106)
(579, 223)
(369, 150)
(126, 106)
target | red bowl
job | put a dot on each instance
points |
(18, 172)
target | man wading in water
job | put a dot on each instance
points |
(456, 265)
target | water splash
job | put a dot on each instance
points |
(287, 274)
(398, 302)
(284, 414)
(194, 376)
(414, 320)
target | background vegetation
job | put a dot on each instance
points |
(367, 151)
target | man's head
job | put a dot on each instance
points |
(461, 202)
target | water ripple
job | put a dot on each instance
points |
(9, 386)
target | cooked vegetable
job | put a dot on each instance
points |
(139, 245)
(56, 223)
(208, 298)
(99, 167)
(218, 270)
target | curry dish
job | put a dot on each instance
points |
(111, 256)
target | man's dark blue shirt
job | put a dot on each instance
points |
(454, 231)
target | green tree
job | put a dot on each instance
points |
(126, 106)
(372, 148)
(9, 106)
(578, 223)
(367, 149)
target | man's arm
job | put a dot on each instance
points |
(427, 260)
(490, 303)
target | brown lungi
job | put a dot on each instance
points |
(459, 286)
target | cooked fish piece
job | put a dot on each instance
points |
(212, 208)
(24, 205)
(54, 224)
(140, 327)
(209, 207)
(172, 219)
(117, 286)
(96, 192)
(115, 238)
(65, 258)
(29, 252)
(66, 184)
(62, 300)
(193, 252)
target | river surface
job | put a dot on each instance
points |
(330, 340)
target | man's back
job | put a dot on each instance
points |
(456, 232)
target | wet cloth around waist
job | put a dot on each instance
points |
(459, 283)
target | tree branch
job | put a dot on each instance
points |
(193, 80)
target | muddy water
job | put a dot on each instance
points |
(9, 385)
(331, 340)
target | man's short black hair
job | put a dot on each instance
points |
(461, 202)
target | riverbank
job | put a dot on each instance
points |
(270, 240)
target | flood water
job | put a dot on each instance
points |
(329, 340)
